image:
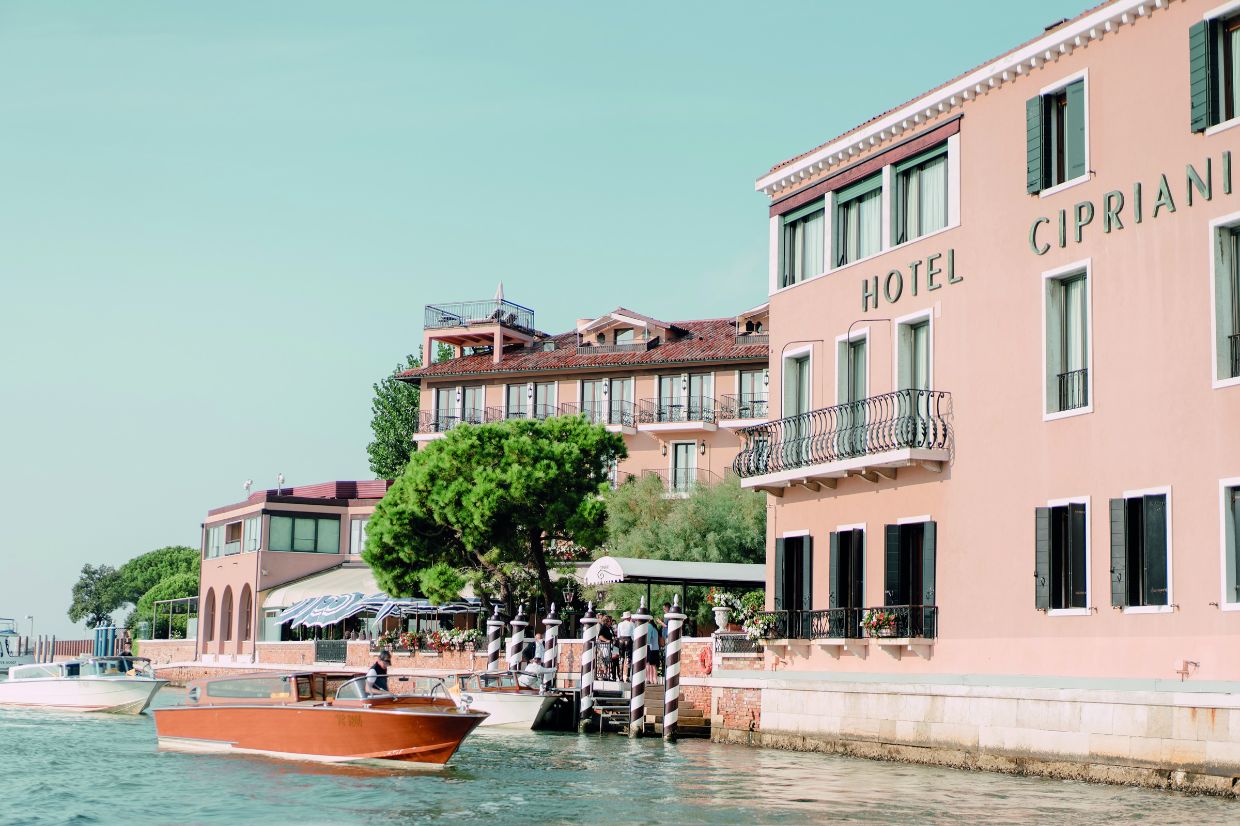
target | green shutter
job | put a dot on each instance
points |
(1033, 145)
(892, 574)
(928, 550)
(1074, 130)
(807, 573)
(779, 574)
(1201, 76)
(1233, 544)
(1119, 554)
(833, 567)
(856, 568)
(1155, 550)
(1077, 596)
(1042, 558)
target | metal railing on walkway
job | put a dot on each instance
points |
(919, 621)
(903, 419)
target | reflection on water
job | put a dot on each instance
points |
(102, 769)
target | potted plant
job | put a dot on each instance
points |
(879, 623)
(721, 602)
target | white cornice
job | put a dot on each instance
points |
(1046, 49)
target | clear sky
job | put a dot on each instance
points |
(219, 221)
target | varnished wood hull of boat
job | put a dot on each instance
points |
(320, 732)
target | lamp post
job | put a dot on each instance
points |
(31, 618)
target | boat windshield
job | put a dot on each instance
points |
(359, 688)
(117, 667)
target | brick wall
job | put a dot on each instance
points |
(739, 709)
(161, 652)
(285, 653)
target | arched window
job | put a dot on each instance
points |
(208, 616)
(226, 615)
(245, 614)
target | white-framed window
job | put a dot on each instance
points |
(915, 351)
(1225, 298)
(852, 366)
(232, 538)
(797, 384)
(920, 201)
(1141, 559)
(253, 533)
(1214, 69)
(1067, 358)
(1062, 579)
(357, 534)
(1229, 538)
(1057, 135)
(858, 221)
(447, 408)
(802, 242)
(514, 401)
(214, 543)
(682, 467)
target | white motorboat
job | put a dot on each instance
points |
(12, 652)
(116, 685)
(511, 700)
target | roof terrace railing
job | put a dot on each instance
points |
(903, 419)
(465, 313)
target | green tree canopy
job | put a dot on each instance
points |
(142, 573)
(716, 523)
(441, 583)
(175, 586)
(96, 595)
(487, 498)
(393, 421)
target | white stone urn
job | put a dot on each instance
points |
(721, 616)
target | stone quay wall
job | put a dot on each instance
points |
(1187, 740)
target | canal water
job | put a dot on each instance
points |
(85, 769)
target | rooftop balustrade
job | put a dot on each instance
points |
(465, 313)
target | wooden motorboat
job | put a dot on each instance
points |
(511, 699)
(323, 716)
(117, 685)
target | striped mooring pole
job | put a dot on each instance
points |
(589, 638)
(551, 648)
(516, 640)
(675, 619)
(495, 639)
(637, 699)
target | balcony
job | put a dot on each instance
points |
(681, 414)
(1073, 389)
(584, 349)
(617, 415)
(753, 338)
(741, 409)
(467, 313)
(913, 628)
(432, 424)
(681, 481)
(870, 438)
(534, 411)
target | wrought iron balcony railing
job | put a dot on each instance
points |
(686, 409)
(907, 621)
(903, 419)
(432, 421)
(683, 480)
(1073, 389)
(616, 412)
(732, 643)
(920, 621)
(1234, 340)
(464, 313)
(331, 651)
(743, 406)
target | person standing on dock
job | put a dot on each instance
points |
(654, 653)
(624, 636)
(606, 646)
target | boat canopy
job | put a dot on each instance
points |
(329, 597)
(612, 569)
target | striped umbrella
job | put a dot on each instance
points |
(671, 672)
(551, 651)
(589, 637)
(495, 634)
(637, 699)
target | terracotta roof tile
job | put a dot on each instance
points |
(712, 339)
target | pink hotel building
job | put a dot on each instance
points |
(1005, 391)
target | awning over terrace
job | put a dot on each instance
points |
(329, 597)
(612, 569)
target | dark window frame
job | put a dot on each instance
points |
(295, 515)
(1069, 557)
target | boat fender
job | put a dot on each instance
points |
(706, 660)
